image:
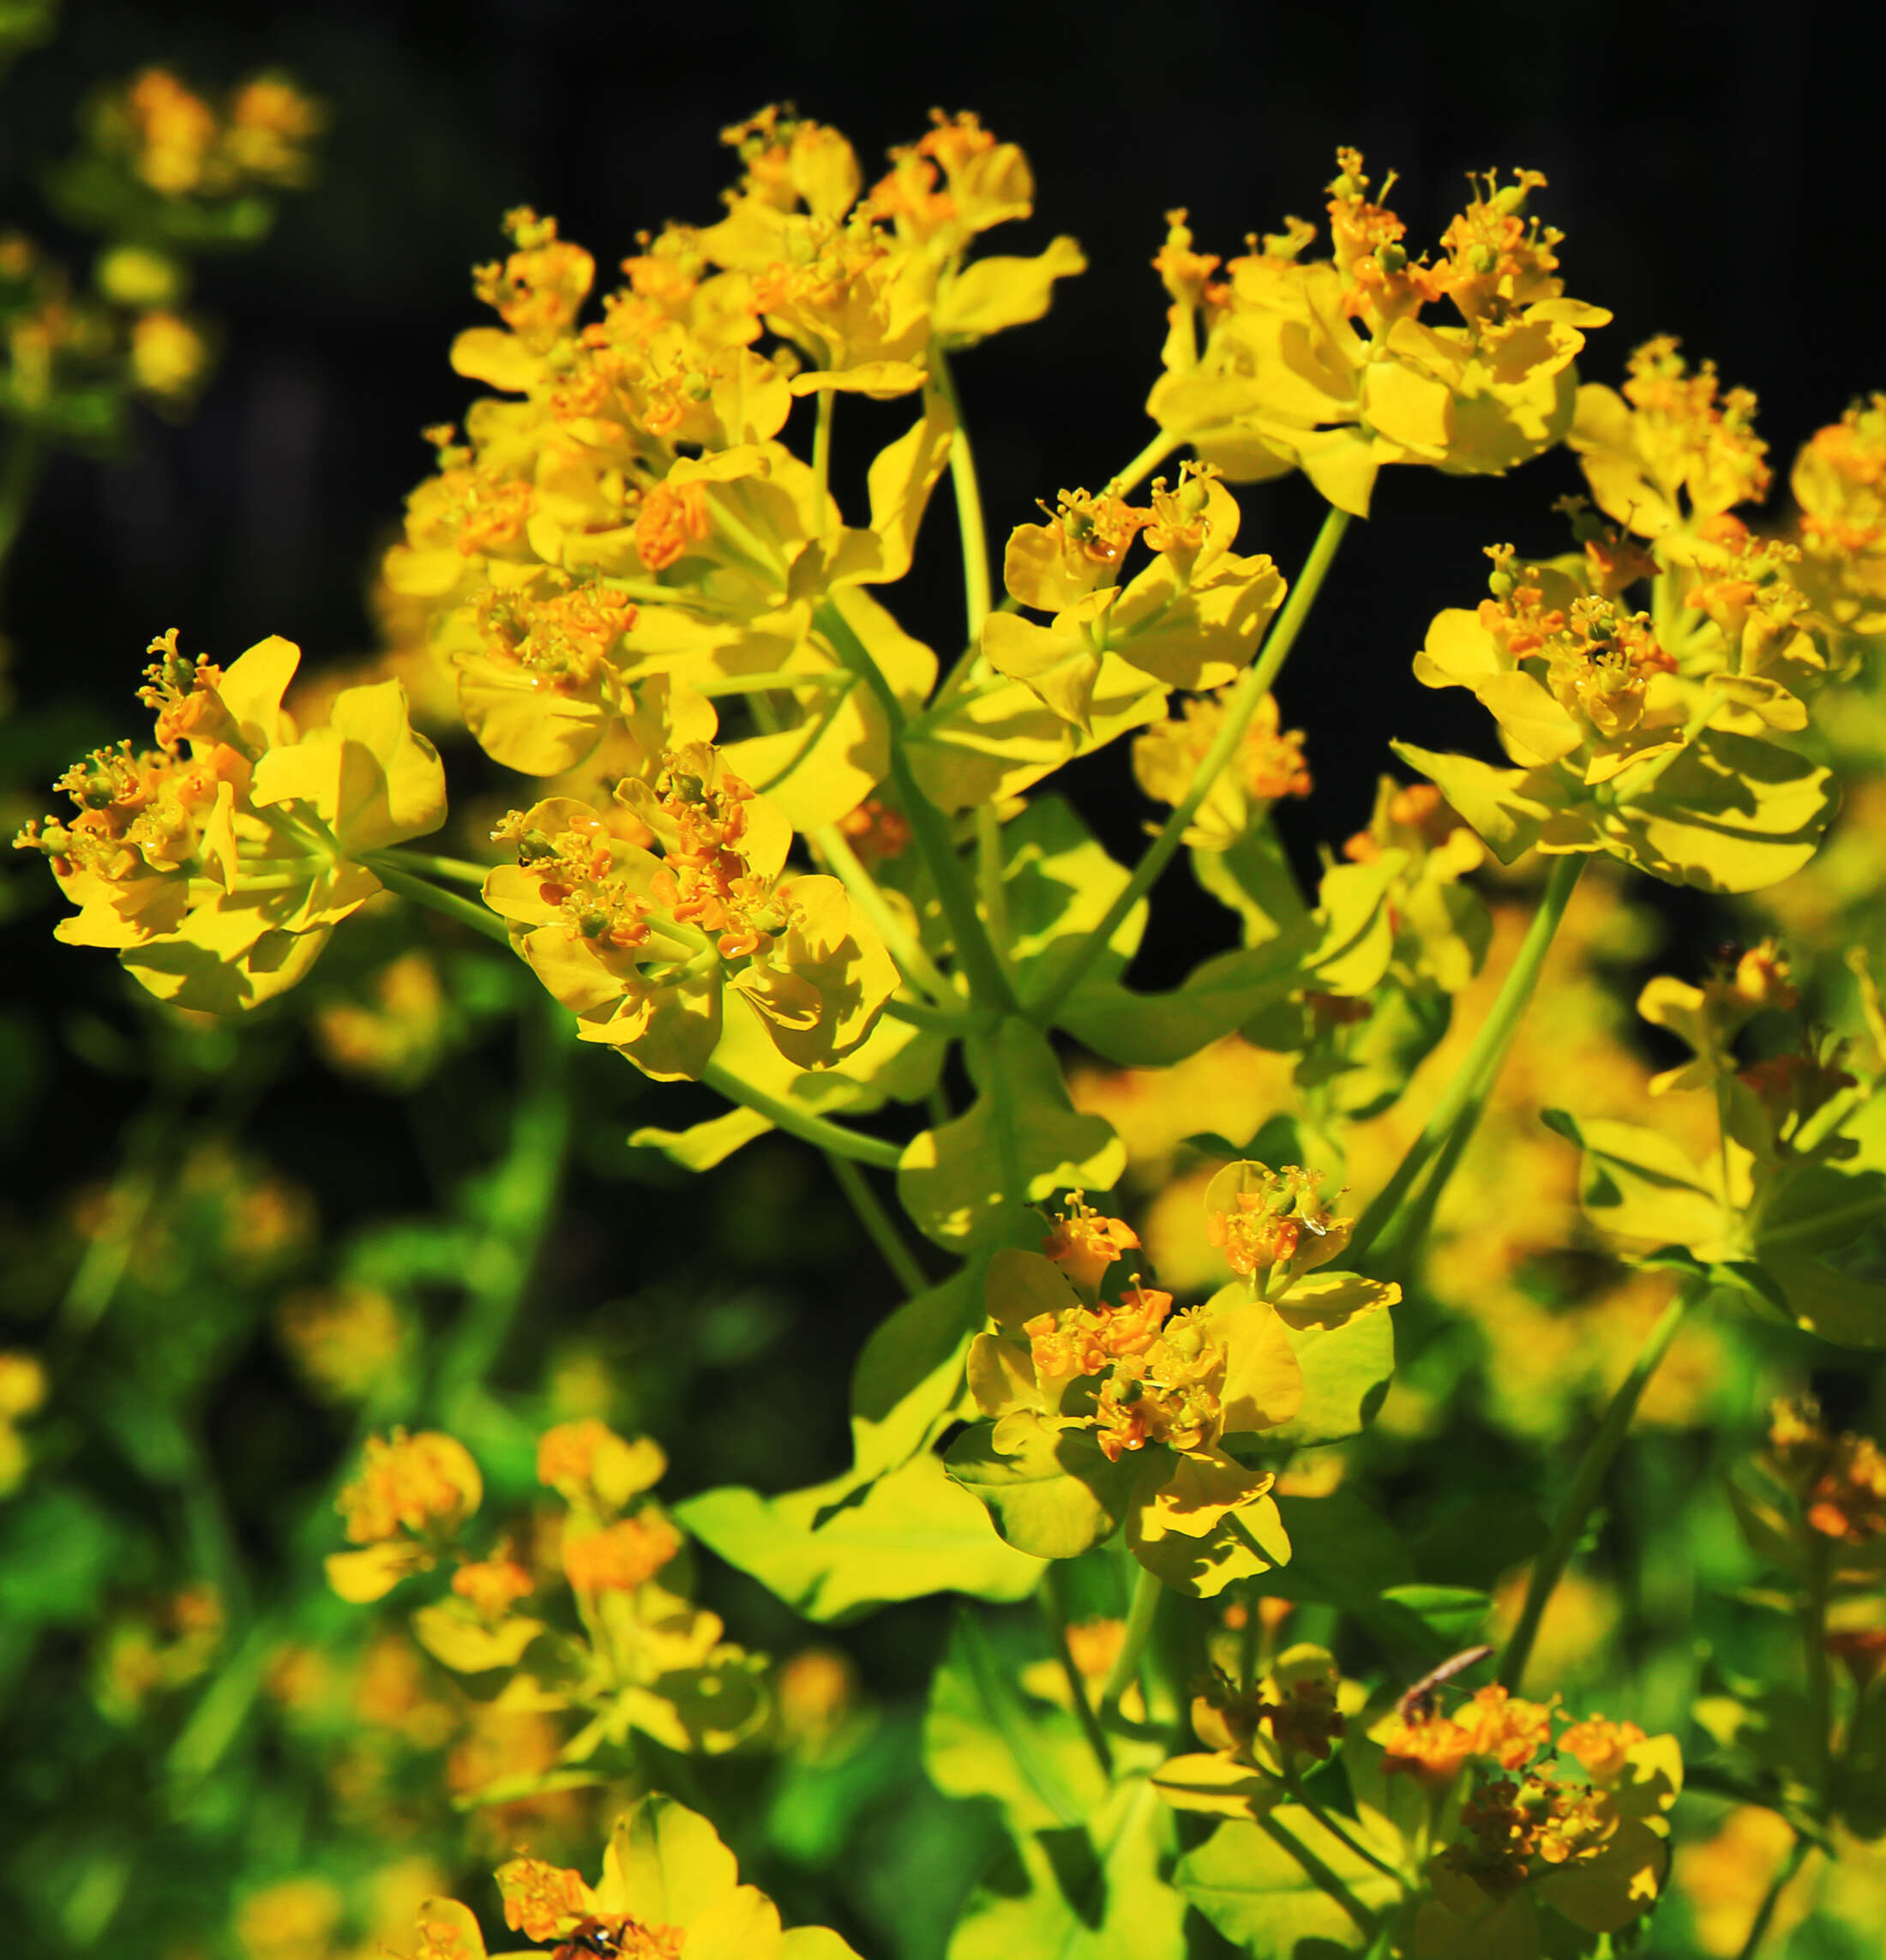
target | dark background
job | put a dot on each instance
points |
(1715, 173)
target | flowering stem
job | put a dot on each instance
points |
(878, 1226)
(969, 503)
(990, 883)
(778, 680)
(988, 983)
(822, 452)
(802, 1123)
(1145, 462)
(1252, 686)
(1764, 1912)
(423, 891)
(1460, 1104)
(1053, 1598)
(458, 870)
(1820, 1682)
(1589, 1480)
(517, 1208)
(1339, 1828)
(918, 969)
(1147, 1589)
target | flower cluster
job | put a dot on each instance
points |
(1530, 1809)
(217, 862)
(182, 146)
(1839, 1481)
(629, 540)
(1191, 619)
(669, 1887)
(641, 947)
(1262, 1736)
(1328, 365)
(1132, 1405)
(405, 1508)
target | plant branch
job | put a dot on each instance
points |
(969, 504)
(802, 1123)
(396, 877)
(1460, 1103)
(1054, 1600)
(988, 983)
(867, 895)
(1140, 1615)
(879, 1225)
(1589, 1480)
(1252, 686)
(1764, 1912)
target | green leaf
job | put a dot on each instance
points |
(705, 1145)
(1155, 1030)
(1055, 1497)
(1095, 1893)
(1340, 1327)
(1493, 801)
(1457, 1614)
(1731, 813)
(910, 1373)
(1638, 1185)
(1252, 877)
(1287, 1888)
(1059, 882)
(1813, 1216)
(982, 1739)
(1021, 1140)
(840, 1549)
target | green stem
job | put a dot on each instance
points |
(423, 891)
(776, 680)
(424, 865)
(518, 1209)
(1820, 1681)
(1764, 1912)
(802, 1123)
(990, 883)
(988, 983)
(1460, 1103)
(913, 962)
(1053, 1598)
(1145, 462)
(1589, 1480)
(821, 453)
(878, 1226)
(1338, 1828)
(1252, 686)
(932, 1021)
(1147, 1589)
(969, 504)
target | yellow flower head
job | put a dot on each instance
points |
(426, 1485)
(639, 946)
(493, 1585)
(217, 863)
(538, 289)
(1674, 448)
(620, 1556)
(1265, 1221)
(1083, 1244)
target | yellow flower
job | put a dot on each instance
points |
(1327, 364)
(412, 1493)
(639, 946)
(1266, 766)
(344, 1338)
(1675, 448)
(217, 862)
(169, 355)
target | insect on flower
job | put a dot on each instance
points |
(1417, 1703)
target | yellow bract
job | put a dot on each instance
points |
(217, 863)
(641, 948)
(1327, 365)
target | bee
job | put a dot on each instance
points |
(592, 1938)
(1417, 1704)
